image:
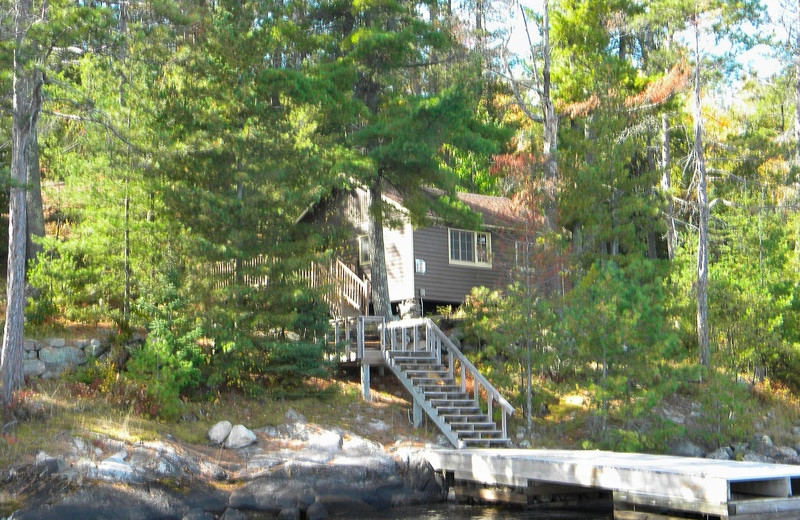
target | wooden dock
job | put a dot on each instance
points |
(640, 487)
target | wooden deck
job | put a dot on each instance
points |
(641, 486)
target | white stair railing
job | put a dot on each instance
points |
(422, 334)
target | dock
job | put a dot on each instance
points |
(637, 486)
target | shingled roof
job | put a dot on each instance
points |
(496, 211)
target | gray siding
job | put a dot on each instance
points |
(451, 283)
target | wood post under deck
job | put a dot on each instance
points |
(651, 487)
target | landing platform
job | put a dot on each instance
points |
(642, 486)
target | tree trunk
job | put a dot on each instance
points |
(702, 203)
(26, 105)
(666, 188)
(34, 210)
(381, 303)
(797, 89)
(550, 144)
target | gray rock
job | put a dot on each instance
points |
(787, 453)
(325, 441)
(94, 348)
(685, 448)
(290, 513)
(197, 514)
(29, 354)
(232, 514)
(525, 444)
(33, 367)
(62, 356)
(316, 511)
(239, 437)
(56, 342)
(294, 416)
(796, 431)
(219, 432)
(723, 453)
(757, 457)
(31, 345)
(759, 442)
(80, 343)
(355, 445)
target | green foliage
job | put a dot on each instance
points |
(170, 361)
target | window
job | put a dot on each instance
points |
(470, 248)
(364, 252)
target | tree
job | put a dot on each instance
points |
(27, 104)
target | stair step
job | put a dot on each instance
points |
(451, 418)
(472, 426)
(449, 403)
(478, 434)
(485, 443)
(458, 410)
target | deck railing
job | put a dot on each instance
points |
(422, 334)
(338, 284)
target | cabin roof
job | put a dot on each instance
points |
(496, 211)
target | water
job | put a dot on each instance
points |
(449, 511)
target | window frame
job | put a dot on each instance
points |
(475, 262)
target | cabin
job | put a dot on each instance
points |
(427, 267)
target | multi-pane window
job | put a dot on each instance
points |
(470, 247)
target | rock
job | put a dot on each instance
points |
(31, 345)
(219, 432)
(316, 511)
(787, 453)
(757, 457)
(57, 342)
(239, 437)
(29, 354)
(232, 514)
(293, 416)
(80, 343)
(525, 444)
(796, 431)
(62, 356)
(197, 514)
(685, 448)
(723, 453)
(94, 348)
(33, 367)
(290, 513)
(760, 442)
(359, 446)
(325, 441)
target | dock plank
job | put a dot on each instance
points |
(704, 486)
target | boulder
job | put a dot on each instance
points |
(233, 514)
(316, 511)
(56, 342)
(33, 367)
(685, 448)
(29, 354)
(723, 453)
(290, 513)
(219, 432)
(756, 457)
(94, 348)
(31, 345)
(294, 416)
(62, 355)
(239, 437)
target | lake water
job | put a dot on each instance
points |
(449, 511)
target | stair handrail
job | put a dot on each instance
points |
(353, 288)
(436, 341)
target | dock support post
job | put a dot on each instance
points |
(416, 415)
(365, 381)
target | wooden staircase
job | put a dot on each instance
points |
(440, 379)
